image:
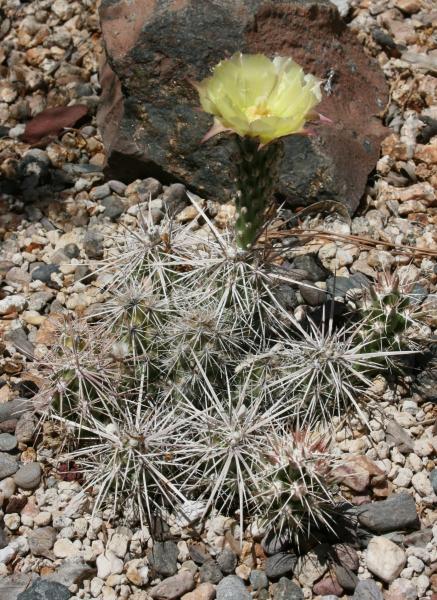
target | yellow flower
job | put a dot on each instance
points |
(258, 97)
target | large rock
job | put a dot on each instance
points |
(149, 113)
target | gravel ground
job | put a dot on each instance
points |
(58, 218)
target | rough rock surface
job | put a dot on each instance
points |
(149, 113)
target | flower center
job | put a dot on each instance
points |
(257, 111)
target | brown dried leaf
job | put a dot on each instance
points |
(50, 122)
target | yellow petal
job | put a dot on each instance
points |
(272, 128)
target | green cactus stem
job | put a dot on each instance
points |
(257, 171)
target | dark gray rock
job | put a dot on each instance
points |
(4, 539)
(367, 590)
(286, 296)
(26, 427)
(286, 589)
(433, 480)
(93, 244)
(232, 588)
(280, 564)
(12, 585)
(164, 558)
(71, 250)
(258, 580)
(41, 541)
(398, 436)
(272, 542)
(18, 337)
(418, 538)
(117, 186)
(210, 571)
(44, 273)
(149, 113)
(100, 192)
(84, 274)
(45, 590)
(311, 294)
(42, 589)
(338, 287)
(8, 465)
(227, 561)
(199, 553)
(309, 263)
(397, 513)
(346, 578)
(174, 198)
(72, 570)
(28, 476)
(13, 409)
(8, 442)
(114, 207)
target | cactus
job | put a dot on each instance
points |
(257, 172)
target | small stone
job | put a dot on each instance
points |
(72, 571)
(12, 521)
(313, 565)
(119, 544)
(232, 588)
(205, 591)
(164, 558)
(174, 587)
(346, 556)
(286, 589)
(8, 465)
(310, 264)
(401, 589)
(26, 427)
(93, 244)
(346, 578)
(398, 512)
(403, 478)
(71, 250)
(385, 559)
(44, 273)
(258, 580)
(114, 207)
(8, 442)
(422, 484)
(328, 586)
(42, 589)
(280, 564)
(100, 192)
(174, 198)
(117, 186)
(367, 590)
(273, 543)
(137, 572)
(108, 564)
(12, 304)
(64, 548)
(433, 480)
(312, 295)
(41, 540)
(28, 476)
(4, 539)
(227, 561)
(210, 571)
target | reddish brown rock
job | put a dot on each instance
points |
(328, 586)
(359, 472)
(149, 113)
